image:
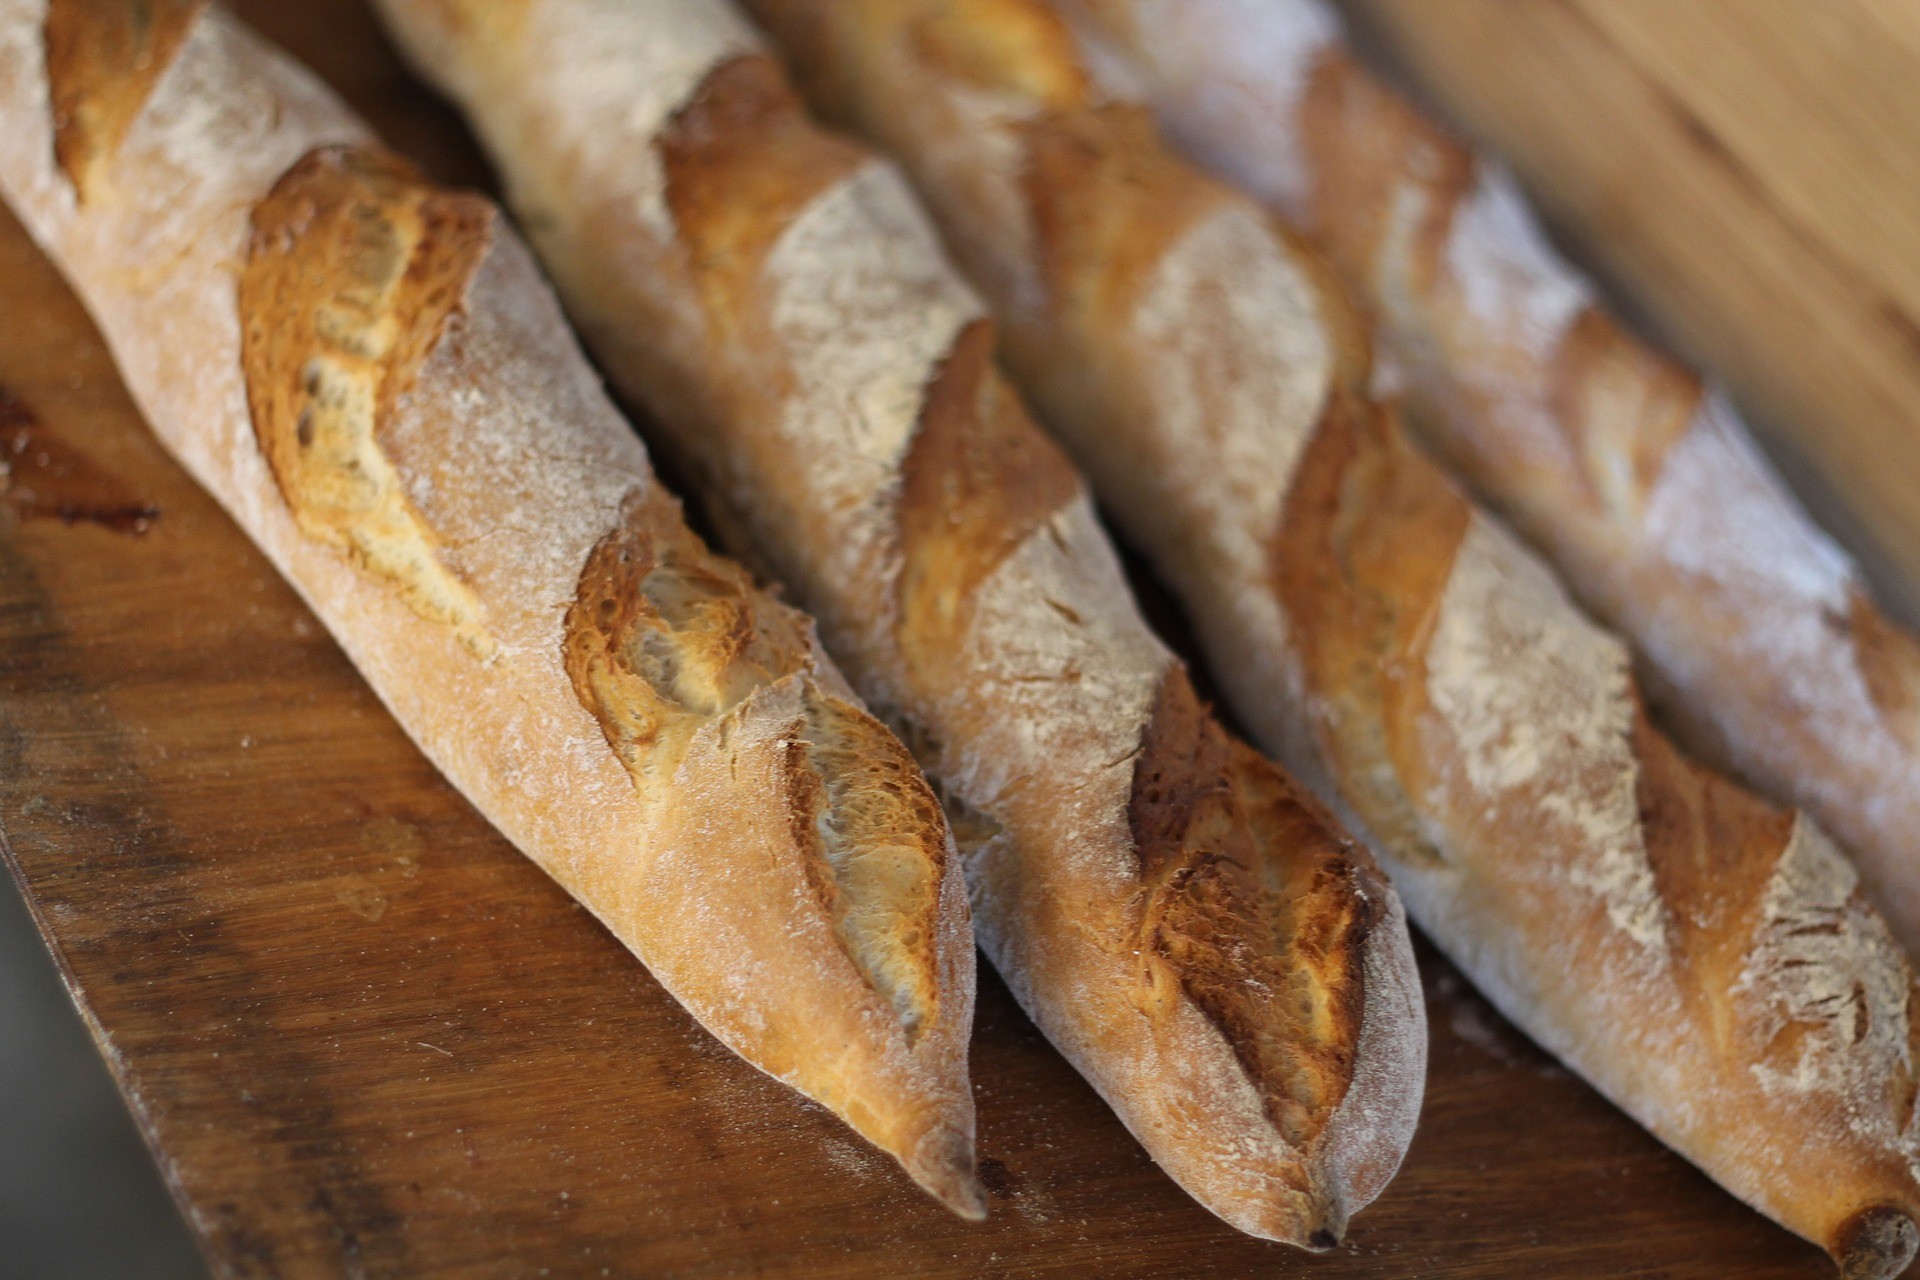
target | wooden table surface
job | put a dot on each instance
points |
(366, 1038)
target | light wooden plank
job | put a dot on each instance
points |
(1812, 100)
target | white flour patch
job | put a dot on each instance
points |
(1225, 76)
(1538, 699)
(995, 240)
(1073, 696)
(1717, 511)
(867, 309)
(1719, 520)
(1394, 266)
(1825, 961)
(1509, 277)
(1240, 367)
(615, 71)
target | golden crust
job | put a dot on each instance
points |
(1485, 733)
(1107, 203)
(741, 162)
(354, 270)
(833, 382)
(978, 480)
(1774, 664)
(1889, 659)
(1255, 908)
(1598, 370)
(1361, 560)
(1346, 108)
(1251, 909)
(664, 639)
(103, 59)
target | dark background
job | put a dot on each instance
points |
(79, 1194)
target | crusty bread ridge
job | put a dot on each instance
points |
(1704, 959)
(1756, 635)
(1191, 930)
(369, 374)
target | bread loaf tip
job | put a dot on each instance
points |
(1876, 1244)
(942, 1163)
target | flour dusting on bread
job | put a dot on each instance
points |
(821, 367)
(1825, 977)
(1508, 276)
(1218, 70)
(866, 307)
(1243, 369)
(1539, 699)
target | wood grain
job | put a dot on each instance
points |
(1743, 175)
(366, 1038)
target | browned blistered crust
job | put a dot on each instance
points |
(981, 42)
(354, 270)
(663, 636)
(1256, 909)
(1714, 849)
(1611, 395)
(743, 159)
(1362, 560)
(103, 59)
(1251, 903)
(991, 43)
(978, 479)
(665, 639)
(238, 270)
(1733, 651)
(874, 833)
(1061, 210)
(1108, 201)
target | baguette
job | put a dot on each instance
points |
(370, 376)
(1191, 930)
(1702, 958)
(1754, 631)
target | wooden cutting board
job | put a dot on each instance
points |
(366, 1038)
